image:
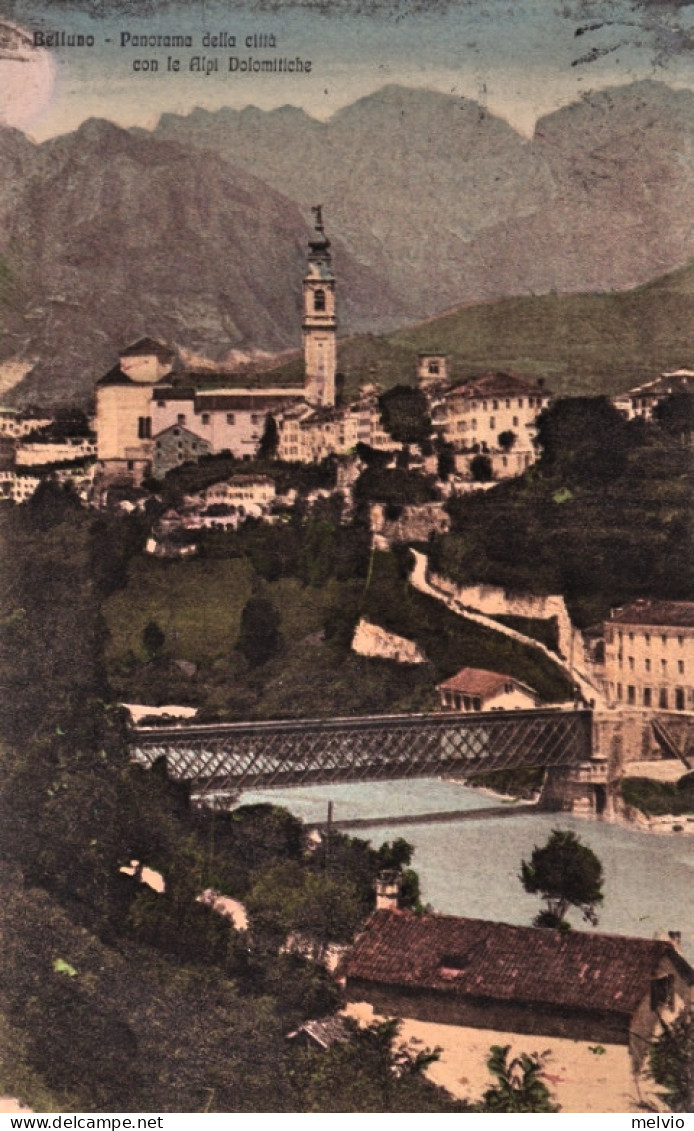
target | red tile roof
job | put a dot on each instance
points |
(477, 681)
(498, 385)
(656, 613)
(497, 961)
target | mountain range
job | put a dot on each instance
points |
(196, 231)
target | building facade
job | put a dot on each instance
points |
(488, 975)
(643, 399)
(494, 415)
(649, 656)
(319, 326)
(473, 689)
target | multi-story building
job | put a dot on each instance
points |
(649, 655)
(495, 415)
(641, 400)
(140, 409)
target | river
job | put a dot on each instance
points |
(471, 867)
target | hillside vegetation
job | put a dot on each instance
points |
(303, 586)
(603, 518)
(580, 344)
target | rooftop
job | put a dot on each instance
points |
(498, 384)
(481, 959)
(678, 614)
(148, 347)
(477, 681)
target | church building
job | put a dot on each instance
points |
(147, 423)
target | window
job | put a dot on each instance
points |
(492, 422)
(520, 402)
(205, 418)
(663, 992)
(319, 300)
(647, 638)
(619, 691)
(663, 640)
(144, 428)
(433, 367)
(662, 699)
(679, 698)
(631, 663)
(680, 640)
(495, 406)
(515, 422)
(646, 696)
(231, 419)
(663, 664)
(680, 666)
(648, 665)
(255, 418)
(508, 404)
(181, 418)
(631, 696)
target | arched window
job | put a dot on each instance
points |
(319, 300)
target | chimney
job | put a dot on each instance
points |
(675, 938)
(388, 887)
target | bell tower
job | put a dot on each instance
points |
(319, 327)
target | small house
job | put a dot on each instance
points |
(474, 689)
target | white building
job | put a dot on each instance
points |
(474, 689)
(642, 399)
(484, 411)
(138, 403)
(649, 655)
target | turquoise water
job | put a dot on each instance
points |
(471, 867)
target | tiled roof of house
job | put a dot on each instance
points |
(477, 681)
(256, 401)
(498, 385)
(173, 393)
(676, 614)
(678, 381)
(497, 961)
(147, 347)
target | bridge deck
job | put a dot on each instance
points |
(240, 756)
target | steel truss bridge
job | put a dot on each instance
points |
(220, 761)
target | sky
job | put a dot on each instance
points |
(519, 58)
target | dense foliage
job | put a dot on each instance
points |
(115, 996)
(603, 518)
(671, 1063)
(405, 414)
(658, 798)
(566, 874)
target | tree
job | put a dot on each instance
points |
(259, 638)
(445, 464)
(269, 441)
(153, 639)
(566, 874)
(671, 1063)
(405, 414)
(373, 1070)
(481, 469)
(675, 415)
(519, 1087)
(506, 440)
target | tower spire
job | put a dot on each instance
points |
(319, 327)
